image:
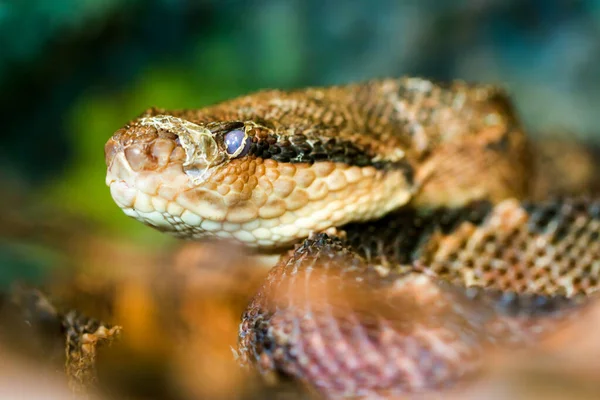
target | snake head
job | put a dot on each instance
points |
(161, 170)
(243, 177)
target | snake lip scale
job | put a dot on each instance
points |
(406, 252)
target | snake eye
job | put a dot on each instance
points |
(237, 143)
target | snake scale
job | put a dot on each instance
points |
(399, 208)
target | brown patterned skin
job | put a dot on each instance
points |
(405, 303)
(537, 248)
(412, 303)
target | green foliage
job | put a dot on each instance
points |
(28, 263)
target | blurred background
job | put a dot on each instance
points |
(74, 71)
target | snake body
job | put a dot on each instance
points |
(412, 251)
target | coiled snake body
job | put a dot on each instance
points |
(413, 253)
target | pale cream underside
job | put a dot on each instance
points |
(321, 196)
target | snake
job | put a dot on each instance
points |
(399, 209)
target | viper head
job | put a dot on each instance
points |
(241, 179)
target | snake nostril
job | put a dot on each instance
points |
(139, 157)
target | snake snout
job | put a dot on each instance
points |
(144, 172)
(145, 148)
